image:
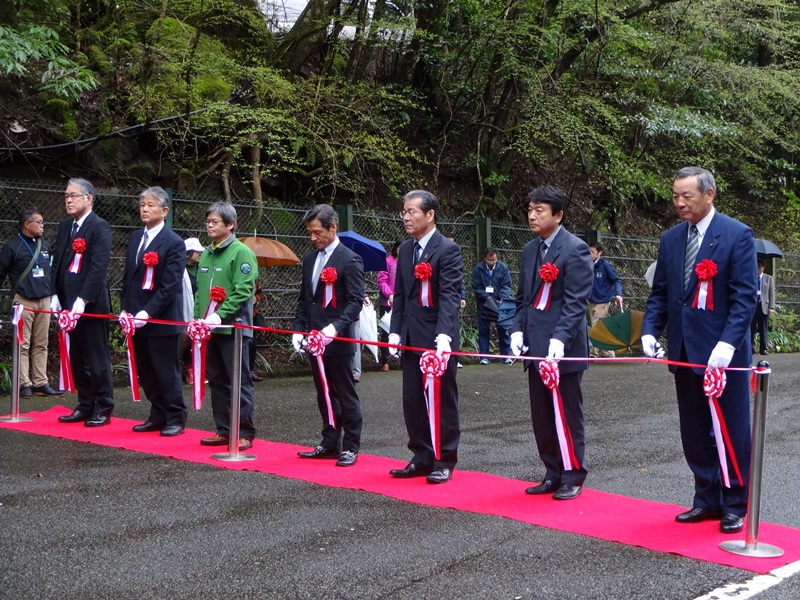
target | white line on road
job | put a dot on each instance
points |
(756, 585)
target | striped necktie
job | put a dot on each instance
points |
(692, 246)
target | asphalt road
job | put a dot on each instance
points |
(84, 521)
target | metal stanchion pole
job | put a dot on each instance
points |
(14, 416)
(750, 546)
(233, 453)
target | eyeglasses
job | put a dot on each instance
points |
(213, 221)
(410, 212)
(73, 195)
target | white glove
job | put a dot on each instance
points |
(140, 319)
(651, 347)
(394, 340)
(443, 345)
(555, 350)
(212, 320)
(329, 331)
(55, 305)
(516, 343)
(78, 307)
(721, 356)
(297, 342)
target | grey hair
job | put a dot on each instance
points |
(226, 212)
(324, 212)
(705, 180)
(428, 201)
(86, 187)
(158, 193)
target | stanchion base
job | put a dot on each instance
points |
(233, 456)
(16, 419)
(755, 550)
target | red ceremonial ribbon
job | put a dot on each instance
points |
(713, 386)
(128, 328)
(328, 276)
(199, 333)
(704, 295)
(316, 346)
(79, 247)
(433, 366)
(16, 319)
(216, 296)
(423, 271)
(150, 260)
(550, 377)
(548, 274)
(66, 323)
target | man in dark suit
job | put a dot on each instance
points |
(425, 315)
(707, 324)
(333, 314)
(155, 291)
(765, 306)
(80, 283)
(550, 321)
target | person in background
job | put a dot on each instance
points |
(359, 347)
(386, 286)
(28, 254)
(258, 296)
(765, 306)
(606, 286)
(491, 279)
(193, 251)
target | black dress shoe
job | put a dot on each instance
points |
(46, 390)
(546, 487)
(172, 430)
(98, 421)
(25, 391)
(347, 459)
(76, 417)
(319, 452)
(731, 523)
(696, 515)
(410, 470)
(146, 427)
(440, 475)
(567, 492)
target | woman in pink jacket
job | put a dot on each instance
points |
(386, 286)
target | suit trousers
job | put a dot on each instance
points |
(344, 401)
(160, 377)
(544, 425)
(699, 446)
(33, 351)
(219, 371)
(759, 324)
(91, 366)
(416, 414)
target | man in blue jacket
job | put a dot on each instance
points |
(606, 286)
(491, 278)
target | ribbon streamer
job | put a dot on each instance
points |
(542, 301)
(128, 328)
(66, 323)
(199, 332)
(433, 366)
(713, 385)
(550, 377)
(316, 347)
(16, 319)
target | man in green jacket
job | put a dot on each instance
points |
(228, 264)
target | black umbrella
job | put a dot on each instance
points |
(766, 249)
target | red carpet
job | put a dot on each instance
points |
(596, 514)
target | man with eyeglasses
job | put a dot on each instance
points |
(427, 296)
(81, 255)
(25, 258)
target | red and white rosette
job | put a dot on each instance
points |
(704, 295)
(216, 297)
(433, 366)
(548, 274)
(551, 376)
(16, 321)
(316, 347)
(66, 323)
(199, 333)
(150, 260)
(328, 276)
(126, 322)
(713, 386)
(423, 271)
(79, 247)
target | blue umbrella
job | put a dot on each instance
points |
(371, 252)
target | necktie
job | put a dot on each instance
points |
(74, 230)
(542, 251)
(142, 247)
(692, 245)
(417, 252)
(321, 259)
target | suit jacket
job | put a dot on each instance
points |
(565, 320)
(348, 290)
(767, 293)
(91, 283)
(165, 300)
(418, 325)
(730, 244)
